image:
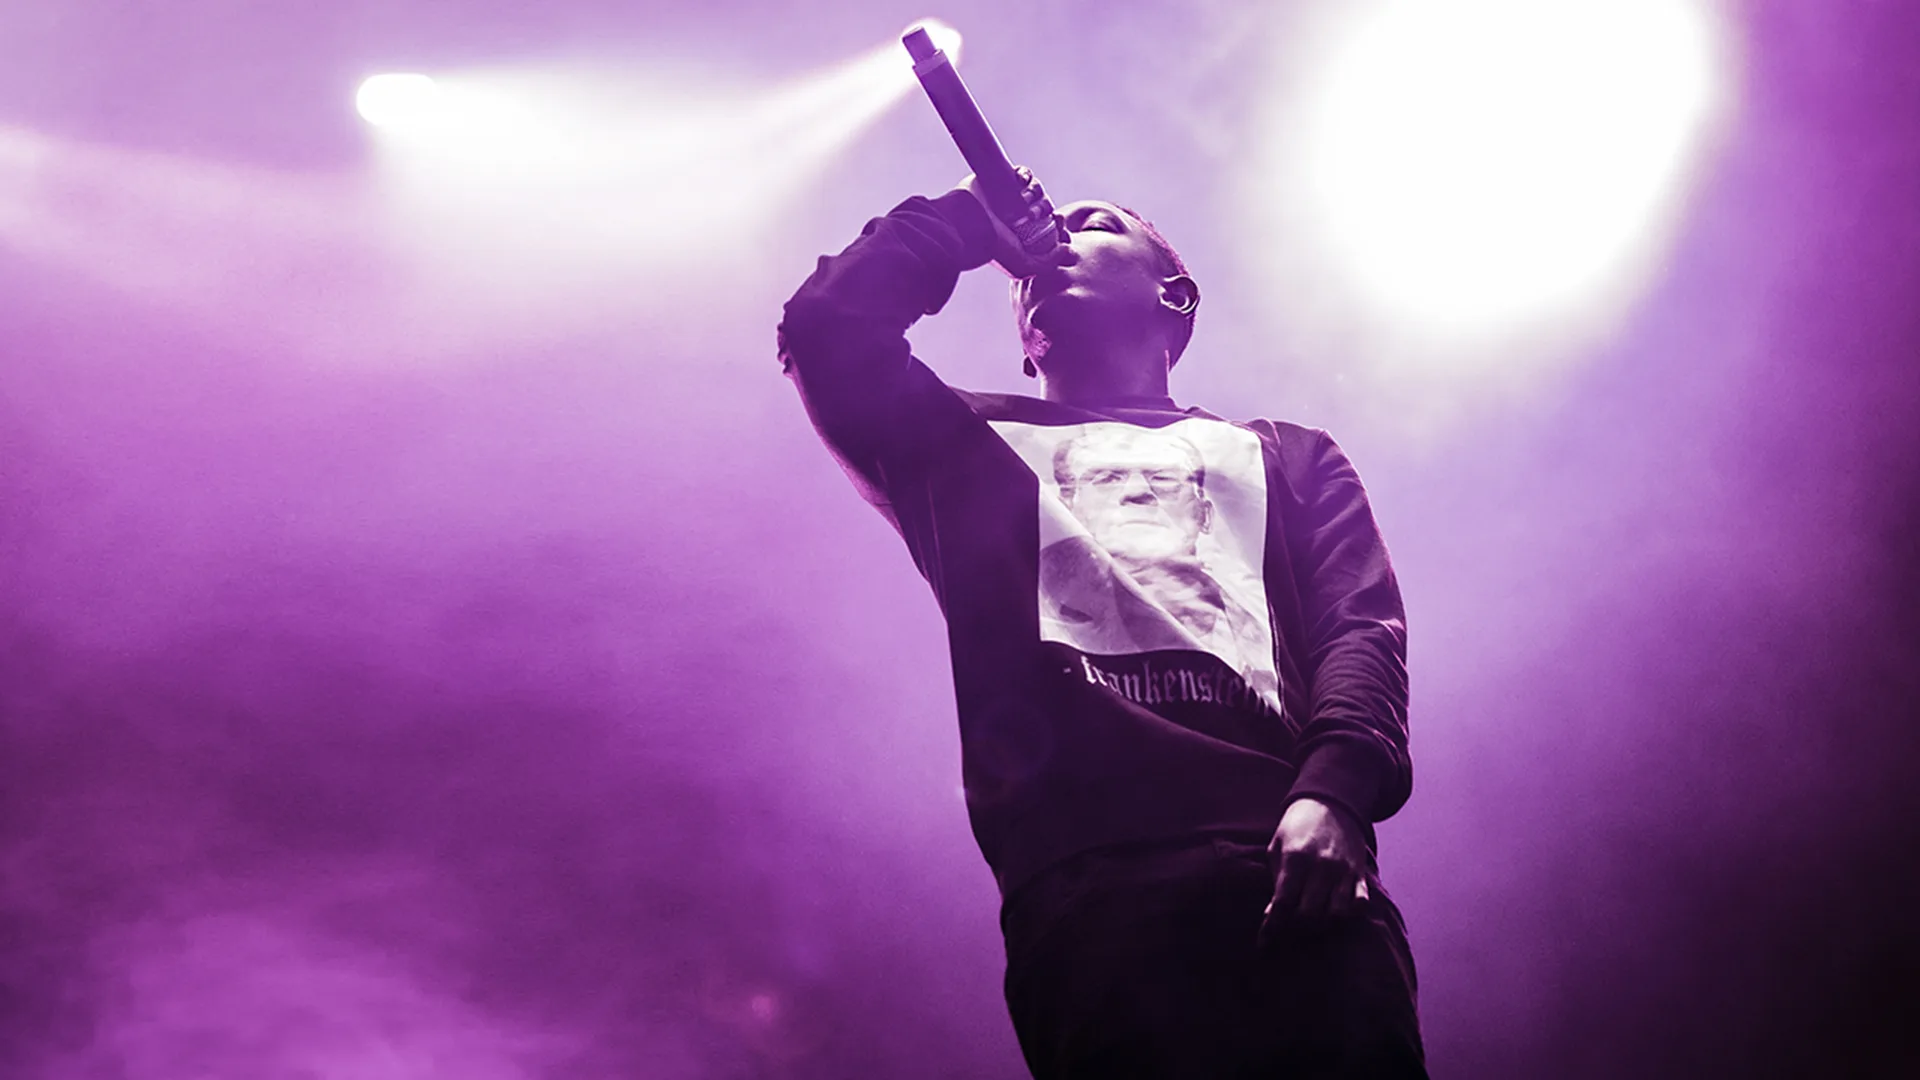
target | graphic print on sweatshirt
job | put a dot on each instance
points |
(1153, 539)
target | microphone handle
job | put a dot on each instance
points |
(978, 145)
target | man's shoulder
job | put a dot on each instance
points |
(1292, 441)
(1033, 410)
(995, 406)
(1283, 429)
(1020, 408)
(1286, 431)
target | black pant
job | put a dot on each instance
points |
(1140, 963)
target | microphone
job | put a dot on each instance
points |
(1001, 185)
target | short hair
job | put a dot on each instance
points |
(1174, 266)
(1063, 455)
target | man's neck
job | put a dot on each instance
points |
(1105, 376)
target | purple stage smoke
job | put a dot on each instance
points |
(433, 644)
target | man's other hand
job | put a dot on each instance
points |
(1007, 254)
(1319, 861)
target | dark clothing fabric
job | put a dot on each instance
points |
(1140, 963)
(1128, 745)
(1066, 749)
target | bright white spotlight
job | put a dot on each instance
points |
(540, 193)
(945, 38)
(1475, 166)
(398, 100)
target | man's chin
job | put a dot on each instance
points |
(1148, 553)
(1056, 310)
(1070, 316)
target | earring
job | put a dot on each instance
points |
(1026, 365)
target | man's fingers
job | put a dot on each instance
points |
(1033, 192)
(1294, 900)
(1341, 899)
(1348, 898)
(1274, 916)
(1288, 882)
(1310, 887)
(1309, 890)
(1316, 896)
(1269, 927)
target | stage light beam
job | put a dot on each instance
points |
(1474, 168)
(558, 193)
(399, 100)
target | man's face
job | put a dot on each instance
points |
(1113, 272)
(1139, 495)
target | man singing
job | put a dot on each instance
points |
(1178, 655)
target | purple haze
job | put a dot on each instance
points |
(552, 708)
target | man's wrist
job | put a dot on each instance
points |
(1335, 808)
(1345, 772)
(969, 218)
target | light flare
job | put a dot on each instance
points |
(1474, 169)
(400, 100)
(498, 203)
(550, 175)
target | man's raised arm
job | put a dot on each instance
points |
(843, 340)
(843, 337)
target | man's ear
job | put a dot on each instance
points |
(1180, 294)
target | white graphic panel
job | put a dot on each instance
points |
(1153, 539)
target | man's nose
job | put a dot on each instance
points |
(1137, 490)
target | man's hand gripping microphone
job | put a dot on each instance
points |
(1023, 218)
(1030, 241)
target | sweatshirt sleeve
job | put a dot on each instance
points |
(843, 338)
(1352, 751)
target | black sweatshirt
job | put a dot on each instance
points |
(1162, 624)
